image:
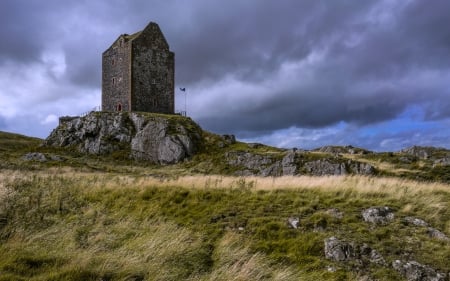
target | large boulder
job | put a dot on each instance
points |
(157, 138)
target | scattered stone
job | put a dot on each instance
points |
(414, 271)
(338, 250)
(378, 215)
(241, 228)
(434, 233)
(293, 222)
(34, 156)
(372, 255)
(336, 213)
(415, 221)
(342, 251)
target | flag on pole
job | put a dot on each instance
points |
(183, 89)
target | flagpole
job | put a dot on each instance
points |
(185, 103)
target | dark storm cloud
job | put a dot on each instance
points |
(386, 46)
(251, 66)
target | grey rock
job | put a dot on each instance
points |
(323, 167)
(361, 168)
(414, 271)
(422, 152)
(338, 250)
(434, 233)
(371, 255)
(253, 164)
(35, 156)
(442, 162)
(378, 215)
(153, 138)
(293, 222)
(415, 221)
(289, 167)
(342, 251)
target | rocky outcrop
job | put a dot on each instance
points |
(253, 164)
(323, 167)
(342, 251)
(163, 139)
(427, 152)
(378, 215)
(414, 271)
(292, 162)
(342, 150)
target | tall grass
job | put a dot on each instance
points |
(63, 224)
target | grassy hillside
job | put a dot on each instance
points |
(107, 218)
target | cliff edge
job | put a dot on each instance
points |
(157, 138)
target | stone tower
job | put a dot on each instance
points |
(138, 73)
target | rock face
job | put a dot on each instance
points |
(163, 139)
(292, 162)
(342, 150)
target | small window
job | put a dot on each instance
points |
(119, 107)
(154, 81)
(113, 62)
(114, 81)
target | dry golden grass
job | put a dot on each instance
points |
(395, 187)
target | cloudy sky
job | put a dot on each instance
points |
(289, 73)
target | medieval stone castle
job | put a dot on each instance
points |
(138, 73)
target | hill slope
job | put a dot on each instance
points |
(76, 216)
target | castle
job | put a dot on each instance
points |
(138, 73)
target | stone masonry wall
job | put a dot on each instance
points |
(153, 72)
(138, 73)
(116, 76)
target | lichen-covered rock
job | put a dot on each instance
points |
(414, 271)
(151, 137)
(415, 221)
(361, 168)
(342, 251)
(34, 156)
(289, 168)
(378, 215)
(254, 164)
(323, 167)
(434, 233)
(338, 250)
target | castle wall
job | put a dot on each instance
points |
(138, 73)
(116, 76)
(152, 73)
